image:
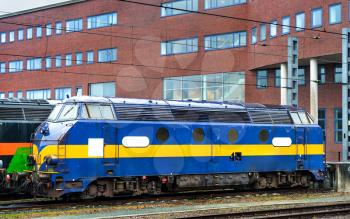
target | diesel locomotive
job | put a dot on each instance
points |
(91, 147)
(18, 121)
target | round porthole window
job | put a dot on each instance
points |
(232, 135)
(162, 134)
(198, 134)
(264, 135)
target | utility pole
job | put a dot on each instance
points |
(293, 77)
(345, 93)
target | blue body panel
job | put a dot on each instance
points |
(89, 169)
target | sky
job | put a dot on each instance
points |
(20, 5)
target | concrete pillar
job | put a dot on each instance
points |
(314, 89)
(284, 84)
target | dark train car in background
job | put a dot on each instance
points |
(18, 120)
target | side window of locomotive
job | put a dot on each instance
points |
(295, 118)
(68, 113)
(264, 135)
(53, 116)
(311, 119)
(232, 135)
(303, 117)
(162, 134)
(198, 134)
(96, 111)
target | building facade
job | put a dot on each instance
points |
(116, 48)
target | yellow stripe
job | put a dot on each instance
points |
(111, 151)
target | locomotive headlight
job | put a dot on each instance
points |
(51, 160)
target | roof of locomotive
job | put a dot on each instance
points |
(16, 101)
(172, 103)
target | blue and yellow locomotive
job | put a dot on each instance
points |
(93, 147)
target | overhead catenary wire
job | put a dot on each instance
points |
(228, 17)
(139, 77)
(148, 40)
(161, 41)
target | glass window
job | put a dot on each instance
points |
(48, 62)
(192, 87)
(103, 20)
(234, 86)
(254, 35)
(322, 122)
(58, 28)
(3, 37)
(322, 74)
(262, 32)
(190, 5)
(173, 88)
(2, 95)
(74, 25)
(48, 29)
(97, 111)
(303, 117)
(39, 94)
(209, 4)
(338, 126)
(300, 22)
(107, 55)
(19, 94)
(68, 113)
(11, 94)
(214, 87)
(79, 58)
(53, 115)
(316, 17)
(301, 76)
(12, 36)
(335, 14)
(63, 93)
(286, 25)
(261, 79)
(224, 41)
(58, 61)
(338, 74)
(68, 59)
(90, 57)
(295, 118)
(29, 33)
(39, 31)
(20, 34)
(273, 29)
(2, 67)
(102, 89)
(278, 78)
(179, 46)
(33, 64)
(15, 66)
(79, 91)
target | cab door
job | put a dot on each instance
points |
(110, 148)
(301, 144)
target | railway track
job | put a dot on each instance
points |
(324, 210)
(23, 202)
(40, 206)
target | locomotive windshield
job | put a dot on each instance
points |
(97, 111)
(55, 112)
(301, 118)
(66, 112)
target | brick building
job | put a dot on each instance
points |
(115, 48)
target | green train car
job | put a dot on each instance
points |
(18, 120)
